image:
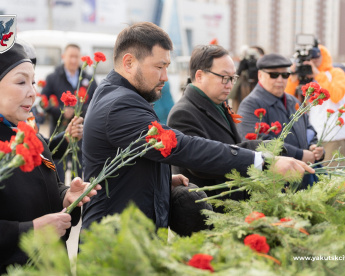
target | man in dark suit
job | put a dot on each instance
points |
(270, 94)
(120, 111)
(203, 111)
(65, 78)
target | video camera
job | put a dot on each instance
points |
(307, 49)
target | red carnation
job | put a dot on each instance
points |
(260, 112)
(31, 140)
(341, 110)
(263, 127)
(276, 127)
(257, 243)
(68, 99)
(310, 88)
(4, 148)
(41, 83)
(285, 219)
(330, 111)
(87, 59)
(326, 94)
(44, 101)
(164, 140)
(54, 101)
(254, 216)
(155, 132)
(321, 96)
(82, 94)
(168, 139)
(27, 160)
(251, 136)
(202, 261)
(99, 56)
(340, 122)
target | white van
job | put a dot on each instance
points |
(49, 45)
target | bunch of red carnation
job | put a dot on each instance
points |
(316, 94)
(262, 127)
(78, 100)
(163, 140)
(31, 147)
(23, 151)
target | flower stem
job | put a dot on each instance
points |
(78, 86)
(109, 169)
(220, 195)
(57, 147)
(56, 128)
(328, 161)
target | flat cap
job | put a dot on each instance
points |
(273, 61)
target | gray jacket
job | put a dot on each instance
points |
(276, 111)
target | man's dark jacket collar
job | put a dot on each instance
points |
(115, 78)
(204, 105)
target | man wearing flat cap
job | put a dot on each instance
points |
(270, 94)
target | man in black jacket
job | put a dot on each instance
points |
(203, 111)
(120, 111)
(65, 78)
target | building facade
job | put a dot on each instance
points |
(271, 24)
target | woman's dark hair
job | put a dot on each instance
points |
(139, 40)
(203, 56)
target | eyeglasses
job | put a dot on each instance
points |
(225, 79)
(275, 75)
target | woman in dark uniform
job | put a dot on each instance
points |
(29, 200)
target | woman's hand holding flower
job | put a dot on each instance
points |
(60, 221)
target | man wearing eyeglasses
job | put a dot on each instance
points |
(203, 111)
(270, 94)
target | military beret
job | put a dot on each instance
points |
(12, 58)
(273, 61)
(29, 49)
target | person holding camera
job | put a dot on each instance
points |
(332, 79)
